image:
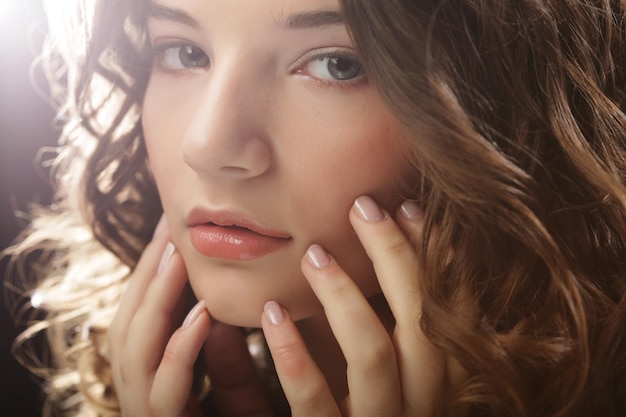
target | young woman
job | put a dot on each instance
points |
(422, 204)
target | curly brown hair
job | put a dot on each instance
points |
(516, 112)
(516, 116)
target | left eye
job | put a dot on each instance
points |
(335, 68)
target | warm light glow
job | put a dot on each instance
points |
(36, 299)
(74, 14)
(6, 8)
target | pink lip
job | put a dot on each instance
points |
(232, 236)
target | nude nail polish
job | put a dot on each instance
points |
(165, 258)
(411, 210)
(367, 208)
(194, 313)
(317, 256)
(274, 312)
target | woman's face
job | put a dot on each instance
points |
(261, 130)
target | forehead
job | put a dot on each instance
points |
(248, 18)
(277, 7)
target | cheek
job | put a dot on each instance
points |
(366, 158)
(152, 124)
(160, 123)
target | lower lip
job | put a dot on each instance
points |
(233, 243)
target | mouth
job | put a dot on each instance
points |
(230, 236)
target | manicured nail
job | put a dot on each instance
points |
(411, 210)
(194, 313)
(165, 258)
(274, 312)
(160, 228)
(368, 209)
(318, 256)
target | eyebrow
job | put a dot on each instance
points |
(310, 20)
(158, 11)
(295, 21)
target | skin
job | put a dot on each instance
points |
(261, 129)
(395, 375)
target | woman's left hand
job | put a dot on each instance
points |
(392, 376)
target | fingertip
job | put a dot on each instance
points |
(410, 218)
(411, 211)
(166, 256)
(367, 209)
(194, 314)
(274, 313)
(318, 257)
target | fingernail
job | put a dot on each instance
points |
(318, 256)
(160, 228)
(165, 258)
(411, 210)
(194, 313)
(368, 209)
(274, 312)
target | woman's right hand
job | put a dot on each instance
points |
(153, 368)
(152, 364)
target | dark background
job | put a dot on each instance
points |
(25, 127)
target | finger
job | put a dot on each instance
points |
(305, 386)
(393, 257)
(149, 332)
(152, 324)
(373, 377)
(173, 379)
(421, 365)
(410, 218)
(154, 254)
(234, 381)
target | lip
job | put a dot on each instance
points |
(232, 236)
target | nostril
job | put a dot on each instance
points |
(234, 153)
(233, 170)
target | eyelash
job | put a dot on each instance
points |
(159, 51)
(157, 56)
(309, 59)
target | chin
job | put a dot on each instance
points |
(245, 316)
(245, 311)
(237, 297)
(236, 317)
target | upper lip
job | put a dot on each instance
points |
(225, 218)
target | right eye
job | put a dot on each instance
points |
(180, 57)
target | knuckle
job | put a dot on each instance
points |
(172, 356)
(377, 356)
(342, 287)
(291, 359)
(396, 245)
(311, 397)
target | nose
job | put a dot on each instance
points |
(225, 138)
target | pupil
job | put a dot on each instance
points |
(343, 69)
(191, 56)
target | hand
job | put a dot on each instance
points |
(153, 368)
(392, 376)
(152, 364)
